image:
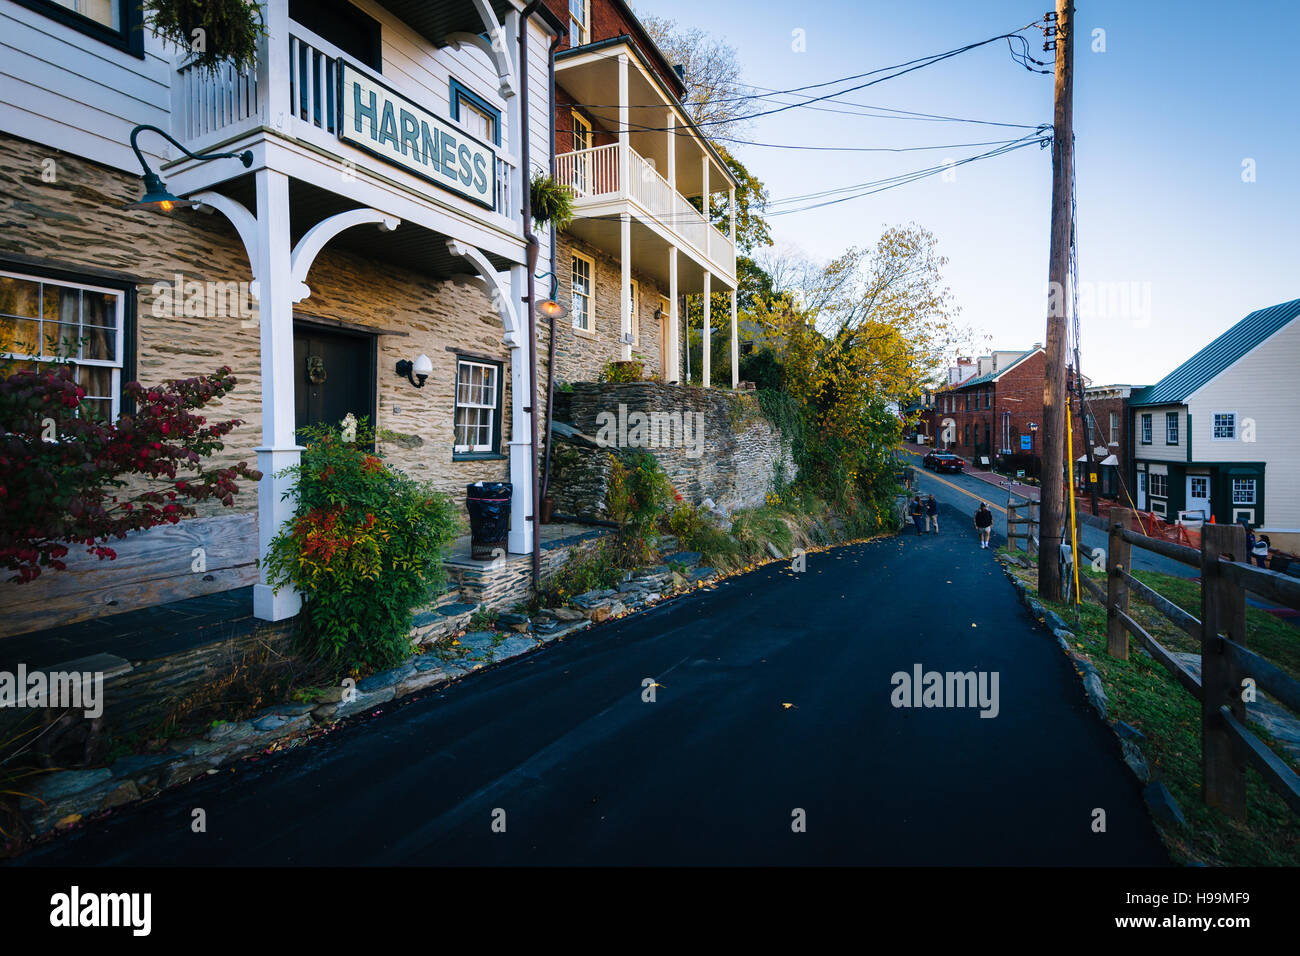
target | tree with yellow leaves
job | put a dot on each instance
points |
(856, 338)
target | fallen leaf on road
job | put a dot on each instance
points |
(787, 706)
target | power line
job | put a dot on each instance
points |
(902, 69)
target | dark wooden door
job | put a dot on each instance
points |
(335, 375)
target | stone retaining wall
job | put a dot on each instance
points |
(734, 458)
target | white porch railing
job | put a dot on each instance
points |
(211, 102)
(209, 106)
(593, 175)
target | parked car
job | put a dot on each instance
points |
(942, 461)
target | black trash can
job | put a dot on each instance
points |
(488, 503)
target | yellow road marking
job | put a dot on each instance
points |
(944, 481)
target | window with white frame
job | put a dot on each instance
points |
(583, 290)
(1243, 491)
(579, 22)
(1114, 428)
(1171, 428)
(1146, 429)
(43, 320)
(1158, 485)
(1225, 426)
(478, 396)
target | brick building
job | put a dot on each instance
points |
(995, 414)
(1104, 427)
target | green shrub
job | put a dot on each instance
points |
(364, 547)
(639, 496)
(622, 373)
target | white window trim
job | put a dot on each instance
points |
(1254, 491)
(1146, 428)
(1151, 486)
(590, 328)
(584, 24)
(120, 330)
(457, 404)
(1235, 421)
(1171, 418)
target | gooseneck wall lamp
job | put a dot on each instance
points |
(420, 369)
(552, 308)
(156, 197)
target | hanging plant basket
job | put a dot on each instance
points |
(551, 202)
(214, 31)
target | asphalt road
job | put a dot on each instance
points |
(963, 493)
(775, 696)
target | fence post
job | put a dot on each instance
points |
(1031, 529)
(1223, 611)
(1118, 560)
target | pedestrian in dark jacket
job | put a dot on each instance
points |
(984, 523)
(931, 515)
(917, 511)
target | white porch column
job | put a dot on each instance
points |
(273, 65)
(624, 134)
(278, 451)
(673, 344)
(704, 204)
(706, 353)
(521, 461)
(625, 299)
(735, 345)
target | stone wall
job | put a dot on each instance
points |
(733, 459)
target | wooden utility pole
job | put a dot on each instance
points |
(1054, 451)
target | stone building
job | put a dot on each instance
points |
(371, 216)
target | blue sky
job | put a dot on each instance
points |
(1164, 118)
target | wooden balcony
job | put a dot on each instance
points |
(595, 176)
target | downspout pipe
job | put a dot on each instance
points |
(534, 248)
(555, 253)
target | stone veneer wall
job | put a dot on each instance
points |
(742, 450)
(580, 357)
(78, 221)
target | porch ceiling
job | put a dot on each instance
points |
(434, 21)
(649, 253)
(409, 246)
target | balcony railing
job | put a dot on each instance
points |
(593, 175)
(211, 107)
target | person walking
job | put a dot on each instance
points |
(917, 511)
(984, 523)
(1259, 550)
(931, 515)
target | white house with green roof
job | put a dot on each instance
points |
(1218, 434)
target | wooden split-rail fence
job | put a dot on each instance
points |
(1229, 668)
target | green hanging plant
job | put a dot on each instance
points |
(551, 202)
(214, 31)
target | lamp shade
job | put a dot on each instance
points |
(552, 309)
(423, 367)
(156, 196)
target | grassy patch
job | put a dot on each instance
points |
(1140, 692)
